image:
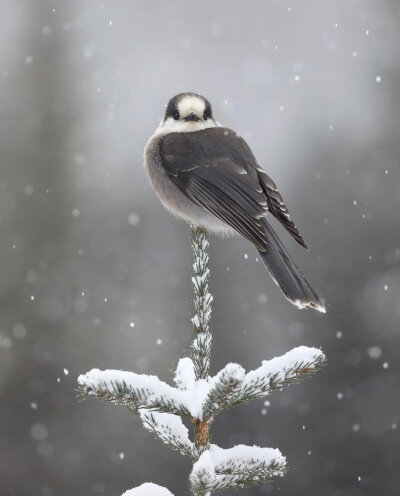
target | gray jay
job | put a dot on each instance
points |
(207, 175)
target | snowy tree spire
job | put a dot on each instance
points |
(201, 346)
(199, 397)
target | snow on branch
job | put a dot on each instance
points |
(199, 397)
(225, 389)
(241, 466)
(184, 377)
(141, 391)
(134, 391)
(282, 371)
(231, 386)
(148, 489)
(204, 398)
(169, 429)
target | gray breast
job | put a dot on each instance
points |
(172, 198)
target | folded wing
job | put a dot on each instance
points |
(217, 170)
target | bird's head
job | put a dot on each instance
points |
(187, 112)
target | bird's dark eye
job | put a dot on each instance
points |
(205, 116)
(176, 116)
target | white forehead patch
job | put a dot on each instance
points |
(191, 103)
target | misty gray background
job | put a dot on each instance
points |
(86, 248)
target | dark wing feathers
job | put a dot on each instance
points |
(217, 170)
(220, 202)
(277, 206)
(184, 151)
(240, 188)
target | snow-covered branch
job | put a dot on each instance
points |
(225, 389)
(241, 466)
(169, 429)
(232, 386)
(148, 489)
(201, 399)
(282, 371)
(185, 377)
(134, 391)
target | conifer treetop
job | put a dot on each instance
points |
(199, 397)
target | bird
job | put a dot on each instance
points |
(207, 175)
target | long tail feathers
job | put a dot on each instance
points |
(287, 275)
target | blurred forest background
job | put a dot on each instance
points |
(95, 273)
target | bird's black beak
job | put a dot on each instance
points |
(191, 117)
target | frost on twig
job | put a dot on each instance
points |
(148, 489)
(201, 346)
(241, 466)
(169, 429)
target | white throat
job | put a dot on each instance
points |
(170, 125)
